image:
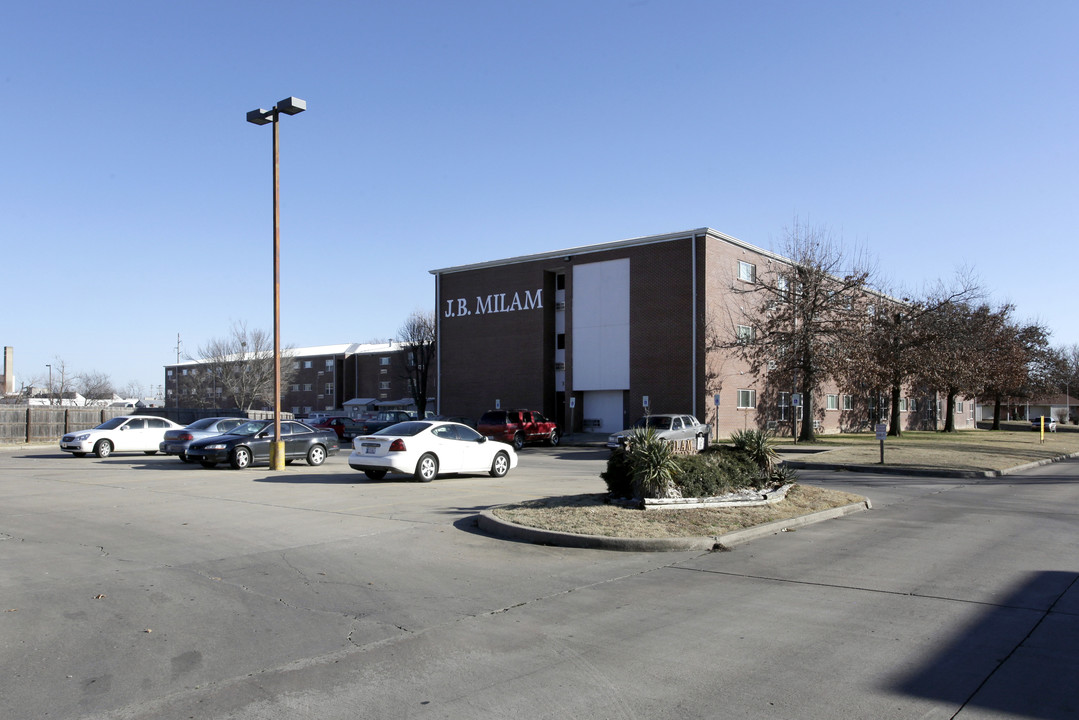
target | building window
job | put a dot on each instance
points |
(383, 371)
(306, 364)
(384, 385)
(784, 405)
(307, 387)
(306, 409)
(560, 341)
(295, 387)
(848, 402)
(169, 372)
(383, 361)
(295, 409)
(959, 406)
(745, 334)
(295, 364)
(747, 399)
(833, 402)
(329, 363)
(169, 392)
(185, 371)
(902, 404)
(783, 287)
(329, 389)
(747, 272)
(912, 403)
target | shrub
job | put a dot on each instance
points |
(758, 446)
(652, 462)
(716, 471)
(618, 475)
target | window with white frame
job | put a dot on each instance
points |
(745, 334)
(832, 402)
(384, 385)
(307, 364)
(747, 272)
(185, 371)
(747, 399)
(783, 286)
(959, 406)
(912, 404)
(329, 363)
(169, 372)
(784, 405)
(848, 402)
(383, 361)
(295, 387)
(902, 404)
(295, 409)
(306, 409)
(307, 387)
(329, 389)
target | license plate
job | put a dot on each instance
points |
(369, 451)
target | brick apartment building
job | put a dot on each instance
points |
(592, 335)
(324, 378)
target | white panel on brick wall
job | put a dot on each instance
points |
(600, 325)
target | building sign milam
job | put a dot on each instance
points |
(495, 303)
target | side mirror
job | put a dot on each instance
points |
(482, 439)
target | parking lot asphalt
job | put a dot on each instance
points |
(140, 587)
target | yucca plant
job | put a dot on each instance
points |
(652, 462)
(758, 446)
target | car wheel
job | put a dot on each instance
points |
(375, 474)
(207, 463)
(316, 455)
(554, 438)
(518, 441)
(185, 458)
(103, 448)
(149, 452)
(79, 454)
(240, 458)
(427, 468)
(501, 465)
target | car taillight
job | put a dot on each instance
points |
(185, 436)
(397, 445)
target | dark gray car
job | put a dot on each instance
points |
(176, 441)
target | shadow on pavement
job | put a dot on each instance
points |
(1020, 657)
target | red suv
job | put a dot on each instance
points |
(518, 427)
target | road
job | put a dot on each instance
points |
(139, 587)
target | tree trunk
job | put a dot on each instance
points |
(997, 407)
(949, 417)
(806, 434)
(895, 424)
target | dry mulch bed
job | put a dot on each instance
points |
(592, 514)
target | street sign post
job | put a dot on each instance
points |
(882, 432)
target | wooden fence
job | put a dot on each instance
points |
(46, 423)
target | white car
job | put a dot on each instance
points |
(671, 428)
(425, 448)
(124, 433)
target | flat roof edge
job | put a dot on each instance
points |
(603, 247)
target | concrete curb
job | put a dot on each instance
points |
(488, 522)
(924, 472)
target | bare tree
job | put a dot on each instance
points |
(240, 366)
(894, 339)
(797, 315)
(60, 381)
(96, 387)
(418, 337)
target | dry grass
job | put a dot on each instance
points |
(592, 515)
(964, 450)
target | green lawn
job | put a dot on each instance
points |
(963, 450)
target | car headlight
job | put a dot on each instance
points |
(81, 438)
(218, 446)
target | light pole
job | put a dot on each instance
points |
(50, 382)
(288, 106)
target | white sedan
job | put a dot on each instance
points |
(425, 448)
(124, 433)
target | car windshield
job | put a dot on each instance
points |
(658, 422)
(248, 428)
(112, 424)
(407, 428)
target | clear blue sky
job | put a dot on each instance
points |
(136, 200)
